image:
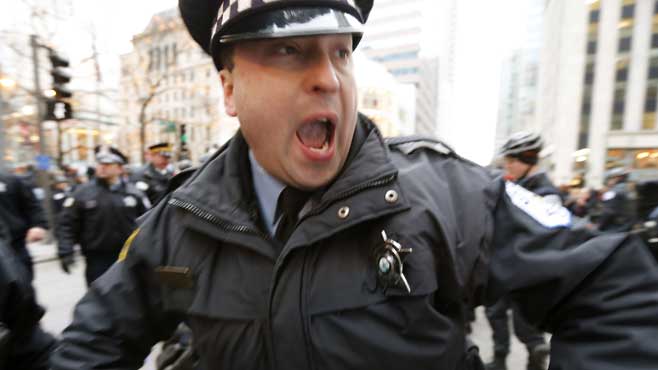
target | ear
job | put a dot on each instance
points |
(226, 78)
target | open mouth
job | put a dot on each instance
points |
(317, 135)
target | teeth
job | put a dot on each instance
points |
(324, 147)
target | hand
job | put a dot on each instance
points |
(67, 262)
(35, 234)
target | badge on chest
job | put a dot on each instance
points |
(390, 263)
(130, 201)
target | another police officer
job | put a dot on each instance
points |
(617, 206)
(22, 213)
(309, 242)
(153, 177)
(521, 157)
(99, 215)
(23, 344)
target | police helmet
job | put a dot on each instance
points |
(524, 146)
(216, 23)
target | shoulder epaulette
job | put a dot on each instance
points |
(409, 144)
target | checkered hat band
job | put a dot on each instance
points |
(106, 157)
(231, 8)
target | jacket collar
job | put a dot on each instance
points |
(223, 187)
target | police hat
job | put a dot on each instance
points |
(163, 149)
(213, 23)
(616, 172)
(109, 155)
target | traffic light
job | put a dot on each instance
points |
(58, 107)
(184, 151)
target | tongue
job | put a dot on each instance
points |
(313, 134)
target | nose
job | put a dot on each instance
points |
(322, 76)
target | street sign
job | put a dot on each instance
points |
(43, 162)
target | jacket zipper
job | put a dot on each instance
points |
(205, 215)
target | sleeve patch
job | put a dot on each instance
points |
(126, 246)
(69, 202)
(550, 215)
(141, 185)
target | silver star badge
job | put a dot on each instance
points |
(390, 267)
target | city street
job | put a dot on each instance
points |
(58, 293)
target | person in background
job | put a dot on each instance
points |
(521, 157)
(155, 175)
(23, 343)
(99, 215)
(617, 204)
(24, 217)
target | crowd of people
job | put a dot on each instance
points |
(309, 241)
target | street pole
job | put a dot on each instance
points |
(43, 179)
(3, 149)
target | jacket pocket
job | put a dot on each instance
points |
(355, 320)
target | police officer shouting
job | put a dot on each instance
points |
(153, 177)
(521, 156)
(308, 242)
(23, 215)
(99, 215)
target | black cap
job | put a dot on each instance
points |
(213, 23)
(109, 155)
(163, 148)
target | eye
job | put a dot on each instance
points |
(287, 50)
(344, 53)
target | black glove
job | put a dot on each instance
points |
(67, 262)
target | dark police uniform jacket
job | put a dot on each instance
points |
(200, 256)
(617, 209)
(23, 344)
(19, 210)
(540, 184)
(152, 182)
(99, 217)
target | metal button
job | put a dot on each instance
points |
(391, 196)
(343, 212)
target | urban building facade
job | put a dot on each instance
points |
(598, 84)
(171, 88)
(519, 78)
(401, 35)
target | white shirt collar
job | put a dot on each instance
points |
(267, 190)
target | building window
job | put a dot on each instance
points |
(594, 16)
(627, 11)
(624, 44)
(589, 74)
(649, 121)
(166, 56)
(591, 47)
(618, 107)
(617, 122)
